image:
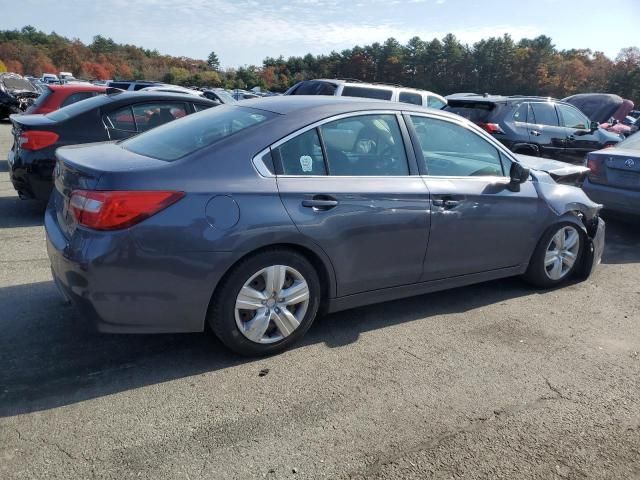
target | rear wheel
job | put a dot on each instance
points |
(556, 256)
(266, 303)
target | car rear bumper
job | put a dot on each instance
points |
(29, 180)
(121, 288)
(614, 198)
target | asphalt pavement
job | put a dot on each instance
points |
(496, 380)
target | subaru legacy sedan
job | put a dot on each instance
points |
(254, 218)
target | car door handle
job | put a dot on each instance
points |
(445, 202)
(535, 133)
(320, 202)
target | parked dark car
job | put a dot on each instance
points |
(16, 94)
(57, 96)
(536, 126)
(615, 177)
(254, 217)
(114, 116)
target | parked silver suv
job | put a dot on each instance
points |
(379, 91)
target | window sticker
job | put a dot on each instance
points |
(306, 162)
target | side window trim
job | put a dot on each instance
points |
(277, 160)
(503, 153)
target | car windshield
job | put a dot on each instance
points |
(177, 139)
(631, 143)
(79, 107)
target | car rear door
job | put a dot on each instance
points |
(351, 185)
(477, 223)
(545, 130)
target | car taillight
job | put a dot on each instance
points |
(113, 210)
(491, 127)
(37, 139)
(595, 164)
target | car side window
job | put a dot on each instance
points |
(451, 150)
(76, 97)
(410, 97)
(434, 102)
(544, 114)
(121, 119)
(366, 145)
(150, 115)
(198, 107)
(364, 92)
(520, 115)
(302, 155)
(572, 118)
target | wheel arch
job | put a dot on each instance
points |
(314, 255)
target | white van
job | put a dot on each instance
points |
(379, 91)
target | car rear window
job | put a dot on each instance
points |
(176, 139)
(476, 112)
(377, 93)
(79, 107)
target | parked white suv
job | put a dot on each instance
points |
(355, 88)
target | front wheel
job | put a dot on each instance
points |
(556, 256)
(266, 303)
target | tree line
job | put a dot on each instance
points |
(496, 65)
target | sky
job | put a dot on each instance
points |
(244, 32)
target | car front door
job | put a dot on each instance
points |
(477, 223)
(352, 187)
(580, 139)
(545, 130)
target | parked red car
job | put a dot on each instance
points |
(58, 96)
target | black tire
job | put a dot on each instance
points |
(536, 273)
(221, 316)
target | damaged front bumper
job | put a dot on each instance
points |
(594, 247)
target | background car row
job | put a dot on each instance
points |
(564, 130)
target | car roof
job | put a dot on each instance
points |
(360, 83)
(328, 105)
(489, 98)
(79, 87)
(125, 95)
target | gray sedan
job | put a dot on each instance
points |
(614, 177)
(254, 218)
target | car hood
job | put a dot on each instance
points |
(599, 107)
(16, 84)
(557, 170)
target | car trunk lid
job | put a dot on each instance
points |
(616, 168)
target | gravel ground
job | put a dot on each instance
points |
(491, 381)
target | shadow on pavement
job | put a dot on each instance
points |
(20, 213)
(4, 166)
(50, 358)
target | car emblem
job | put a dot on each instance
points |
(630, 163)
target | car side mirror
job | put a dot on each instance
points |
(593, 126)
(518, 175)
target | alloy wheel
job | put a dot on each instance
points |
(271, 304)
(562, 253)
